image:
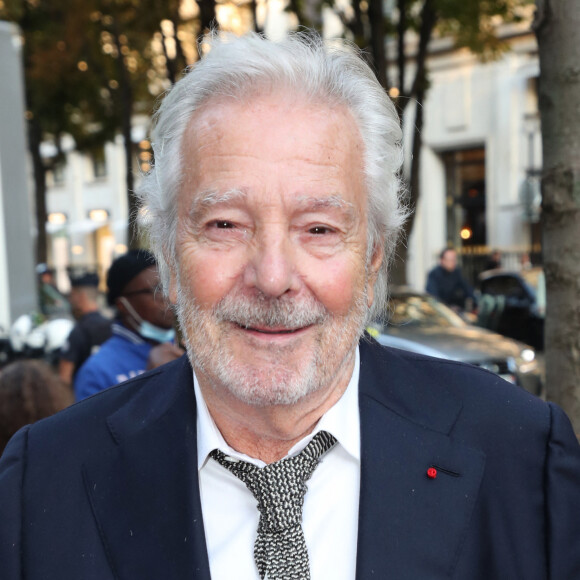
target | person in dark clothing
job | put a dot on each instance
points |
(446, 282)
(91, 330)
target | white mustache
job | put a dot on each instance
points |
(265, 311)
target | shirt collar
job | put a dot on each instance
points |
(121, 330)
(342, 420)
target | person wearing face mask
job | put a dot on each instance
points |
(142, 331)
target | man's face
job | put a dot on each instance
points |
(272, 283)
(46, 278)
(145, 296)
(449, 260)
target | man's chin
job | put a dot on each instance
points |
(268, 385)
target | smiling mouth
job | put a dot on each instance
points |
(272, 331)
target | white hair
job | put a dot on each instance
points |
(301, 65)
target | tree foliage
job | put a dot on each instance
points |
(90, 66)
(60, 97)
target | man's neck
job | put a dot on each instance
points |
(269, 432)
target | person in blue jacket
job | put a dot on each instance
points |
(144, 319)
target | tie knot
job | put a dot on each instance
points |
(279, 487)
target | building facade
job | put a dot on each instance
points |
(87, 206)
(481, 157)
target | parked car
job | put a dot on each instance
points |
(421, 323)
(514, 304)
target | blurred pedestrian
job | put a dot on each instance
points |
(144, 319)
(493, 261)
(29, 391)
(446, 282)
(51, 301)
(525, 261)
(90, 331)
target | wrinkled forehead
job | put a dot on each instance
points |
(313, 150)
(286, 97)
(264, 108)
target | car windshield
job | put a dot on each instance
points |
(417, 310)
(536, 279)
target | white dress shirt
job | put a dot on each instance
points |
(330, 513)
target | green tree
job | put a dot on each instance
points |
(557, 26)
(89, 67)
(472, 25)
(119, 53)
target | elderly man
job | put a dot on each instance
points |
(283, 446)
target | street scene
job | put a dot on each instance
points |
(253, 238)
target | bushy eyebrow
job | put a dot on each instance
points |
(335, 201)
(326, 202)
(211, 198)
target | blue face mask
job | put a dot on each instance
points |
(148, 330)
(152, 332)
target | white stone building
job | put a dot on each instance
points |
(480, 158)
(87, 206)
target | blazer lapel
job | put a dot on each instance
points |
(144, 488)
(410, 525)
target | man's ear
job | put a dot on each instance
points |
(373, 271)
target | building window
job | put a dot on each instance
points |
(99, 163)
(465, 176)
(58, 173)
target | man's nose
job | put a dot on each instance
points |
(271, 267)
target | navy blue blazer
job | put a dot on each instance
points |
(108, 489)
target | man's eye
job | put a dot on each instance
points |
(319, 230)
(223, 225)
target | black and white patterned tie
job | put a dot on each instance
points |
(280, 549)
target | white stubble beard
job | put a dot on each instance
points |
(278, 381)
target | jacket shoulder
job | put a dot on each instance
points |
(427, 388)
(143, 399)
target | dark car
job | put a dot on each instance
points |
(513, 304)
(421, 323)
